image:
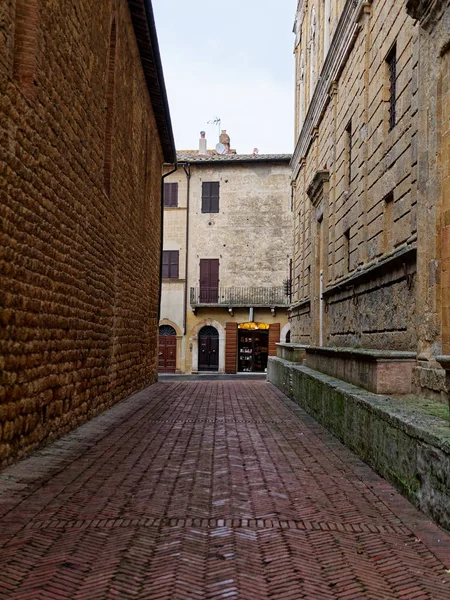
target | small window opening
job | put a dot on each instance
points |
(391, 61)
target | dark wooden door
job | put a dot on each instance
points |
(208, 349)
(209, 280)
(167, 354)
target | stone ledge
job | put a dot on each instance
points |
(378, 371)
(408, 447)
(295, 353)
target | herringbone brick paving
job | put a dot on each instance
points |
(211, 490)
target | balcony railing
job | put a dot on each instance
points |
(239, 296)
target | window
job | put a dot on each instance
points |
(210, 197)
(171, 259)
(388, 221)
(391, 61)
(170, 195)
(347, 249)
(348, 141)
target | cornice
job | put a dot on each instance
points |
(316, 186)
(426, 11)
(344, 37)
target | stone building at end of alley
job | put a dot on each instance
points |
(85, 129)
(371, 262)
(226, 260)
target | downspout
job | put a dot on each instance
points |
(161, 249)
(187, 170)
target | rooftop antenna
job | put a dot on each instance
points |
(216, 121)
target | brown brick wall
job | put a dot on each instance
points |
(79, 270)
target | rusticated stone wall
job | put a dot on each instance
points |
(79, 259)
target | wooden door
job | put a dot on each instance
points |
(208, 349)
(209, 280)
(167, 362)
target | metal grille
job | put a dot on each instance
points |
(208, 332)
(392, 65)
(167, 330)
(239, 296)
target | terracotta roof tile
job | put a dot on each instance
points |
(194, 156)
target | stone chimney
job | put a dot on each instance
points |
(203, 143)
(225, 140)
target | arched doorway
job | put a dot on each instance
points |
(167, 362)
(288, 337)
(208, 349)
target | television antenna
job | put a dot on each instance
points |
(216, 121)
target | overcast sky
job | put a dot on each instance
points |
(231, 60)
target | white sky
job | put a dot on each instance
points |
(233, 60)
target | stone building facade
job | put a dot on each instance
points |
(369, 220)
(85, 129)
(227, 232)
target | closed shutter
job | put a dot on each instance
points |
(209, 280)
(231, 347)
(170, 267)
(170, 195)
(210, 196)
(274, 338)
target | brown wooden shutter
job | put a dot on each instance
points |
(174, 264)
(214, 200)
(170, 266)
(210, 196)
(274, 338)
(231, 347)
(170, 195)
(165, 265)
(209, 280)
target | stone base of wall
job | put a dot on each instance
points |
(293, 352)
(378, 371)
(408, 447)
(429, 382)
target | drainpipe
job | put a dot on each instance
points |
(321, 310)
(162, 237)
(187, 170)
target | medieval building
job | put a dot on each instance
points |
(370, 317)
(227, 233)
(367, 263)
(85, 129)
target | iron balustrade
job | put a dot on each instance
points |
(239, 296)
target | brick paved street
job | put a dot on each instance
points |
(208, 490)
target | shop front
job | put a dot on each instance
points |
(253, 347)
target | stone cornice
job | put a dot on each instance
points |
(340, 47)
(426, 11)
(316, 186)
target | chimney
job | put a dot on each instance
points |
(203, 143)
(225, 140)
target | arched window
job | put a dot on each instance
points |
(288, 337)
(312, 53)
(110, 89)
(208, 332)
(166, 331)
(25, 45)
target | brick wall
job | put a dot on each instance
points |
(79, 267)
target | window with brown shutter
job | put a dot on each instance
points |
(210, 197)
(170, 195)
(171, 260)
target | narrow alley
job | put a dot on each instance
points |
(205, 490)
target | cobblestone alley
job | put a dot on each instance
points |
(205, 490)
